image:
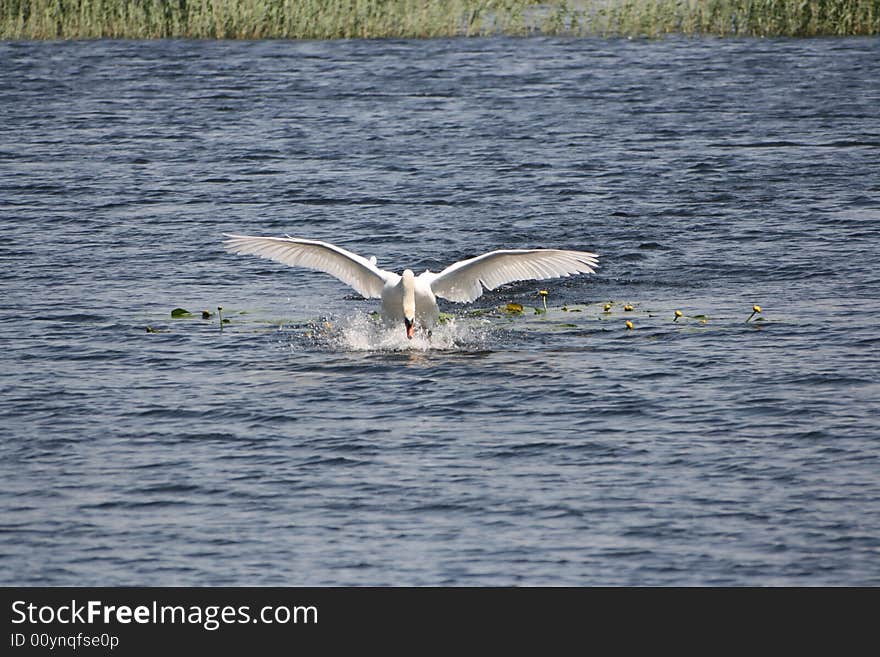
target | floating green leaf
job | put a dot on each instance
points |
(180, 312)
(513, 308)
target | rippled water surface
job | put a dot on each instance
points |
(302, 445)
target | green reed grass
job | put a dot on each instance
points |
(331, 19)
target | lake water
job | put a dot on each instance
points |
(301, 446)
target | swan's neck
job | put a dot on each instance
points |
(409, 295)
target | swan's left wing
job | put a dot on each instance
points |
(464, 281)
(350, 268)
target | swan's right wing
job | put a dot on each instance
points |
(348, 267)
(464, 281)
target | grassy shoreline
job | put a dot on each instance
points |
(332, 19)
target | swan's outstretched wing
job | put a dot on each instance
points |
(348, 267)
(464, 281)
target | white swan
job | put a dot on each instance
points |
(411, 298)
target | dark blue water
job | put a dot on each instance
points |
(299, 446)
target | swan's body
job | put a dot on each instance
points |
(409, 298)
(396, 308)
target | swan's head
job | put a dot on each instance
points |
(409, 302)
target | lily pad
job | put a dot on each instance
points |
(513, 308)
(180, 312)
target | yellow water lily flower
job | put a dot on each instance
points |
(544, 294)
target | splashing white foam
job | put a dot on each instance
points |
(361, 332)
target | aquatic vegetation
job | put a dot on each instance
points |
(467, 329)
(222, 319)
(331, 19)
(183, 313)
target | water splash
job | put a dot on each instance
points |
(363, 332)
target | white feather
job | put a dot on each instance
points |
(348, 267)
(464, 281)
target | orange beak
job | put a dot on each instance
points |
(410, 327)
